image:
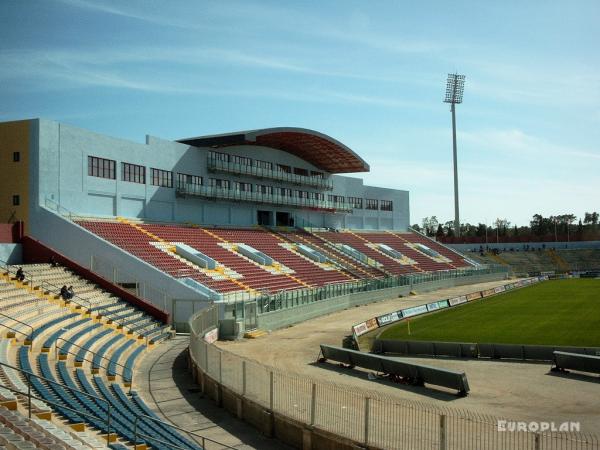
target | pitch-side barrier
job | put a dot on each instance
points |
(417, 374)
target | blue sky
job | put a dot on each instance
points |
(370, 74)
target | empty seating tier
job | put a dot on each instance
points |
(153, 244)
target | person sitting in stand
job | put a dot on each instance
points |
(20, 274)
(70, 292)
(64, 293)
(53, 262)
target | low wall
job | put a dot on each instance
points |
(285, 317)
(11, 253)
(572, 245)
(84, 247)
(36, 252)
(316, 413)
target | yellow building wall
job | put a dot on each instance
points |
(14, 176)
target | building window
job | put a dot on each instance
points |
(162, 178)
(317, 196)
(183, 178)
(264, 189)
(242, 187)
(133, 173)
(285, 192)
(102, 168)
(301, 172)
(316, 174)
(301, 194)
(263, 164)
(387, 205)
(336, 198)
(218, 156)
(372, 204)
(16, 200)
(284, 168)
(16, 156)
(355, 202)
(241, 160)
(218, 183)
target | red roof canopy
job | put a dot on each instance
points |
(316, 148)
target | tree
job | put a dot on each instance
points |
(591, 219)
(440, 231)
(430, 225)
(416, 227)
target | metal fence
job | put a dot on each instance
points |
(291, 299)
(115, 274)
(368, 418)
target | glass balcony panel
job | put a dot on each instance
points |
(216, 165)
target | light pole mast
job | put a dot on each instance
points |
(454, 93)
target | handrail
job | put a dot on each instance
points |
(28, 376)
(22, 323)
(103, 308)
(258, 197)
(215, 164)
(7, 266)
(58, 207)
(145, 416)
(32, 279)
(57, 349)
(47, 283)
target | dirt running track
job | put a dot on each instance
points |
(515, 390)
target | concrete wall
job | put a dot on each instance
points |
(11, 253)
(465, 248)
(14, 175)
(60, 170)
(280, 319)
(82, 246)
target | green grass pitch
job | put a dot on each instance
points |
(556, 312)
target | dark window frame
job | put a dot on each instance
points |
(372, 204)
(355, 202)
(102, 168)
(133, 173)
(162, 178)
(386, 205)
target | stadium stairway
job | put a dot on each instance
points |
(90, 355)
(306, 271)
(353, 266)
(101, 304)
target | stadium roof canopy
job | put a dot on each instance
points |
(318, 149)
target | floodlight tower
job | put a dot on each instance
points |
(454, 94)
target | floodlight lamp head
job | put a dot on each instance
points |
(454, 88)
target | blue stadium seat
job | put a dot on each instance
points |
(66, 347)
(99, 356)
(38, 331)
(48, 343)
(80, 357)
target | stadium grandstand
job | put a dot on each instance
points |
(256, 229)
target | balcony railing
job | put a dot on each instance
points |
(214, 192)
(216, 165)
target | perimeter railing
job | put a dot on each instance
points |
(368, 418)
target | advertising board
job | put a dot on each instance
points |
(457, 300)
(473, 296)
(388, 318)
(415, 310)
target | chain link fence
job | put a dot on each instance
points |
(368, 418)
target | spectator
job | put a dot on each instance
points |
(20, 274)
(53, 262)
(70, 292)
(64, 293)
